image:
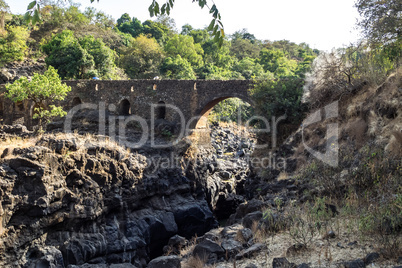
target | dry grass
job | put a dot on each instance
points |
(190, 261)
(356, 130)
(196, 262)
(9, 144)
(283, 176)
(260, 235)
(186, 251)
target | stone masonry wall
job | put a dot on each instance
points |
(184, 99)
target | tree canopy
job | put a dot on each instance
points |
(42, 90)
(155, 9)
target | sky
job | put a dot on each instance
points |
(323, 24)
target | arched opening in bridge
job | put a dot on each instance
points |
(224, 109)
(223, 124)
(19, 106)
(124, 107)
(76, 101)
(161, 110)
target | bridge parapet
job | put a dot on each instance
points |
(164, 99)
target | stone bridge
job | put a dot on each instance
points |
(177, 101)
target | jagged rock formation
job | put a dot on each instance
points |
(74, 202)
(14, 70)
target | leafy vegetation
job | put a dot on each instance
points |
(42, 90)
(280, 97)
(13, 44)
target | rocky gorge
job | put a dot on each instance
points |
(81, 201)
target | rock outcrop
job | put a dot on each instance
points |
(71, 202)
(15, 70)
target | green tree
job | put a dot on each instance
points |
(212, 72)
(381, 20)
(42, 90)
(157, 30)
(155, 8)
(142, 59)
(102, 55)
(219, 57)
(67, 55)
(16, 20)
(381, 24)
(184, 46)
(230, 109)
(277, 97)
(202, 36)
(244, 34)
(177, 67)
(81, 58)
(186, 29)
(168, 22)
(243, 48)
(131, 26)
(304, 67)
(274, 61)
(13, 45)
(123, 19)
(215, 26)
(99, 18)
(249, 68)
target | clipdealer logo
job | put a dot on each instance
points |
(331, 154)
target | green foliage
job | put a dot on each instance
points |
(47, 115)
(215, 26)
(13, 45)
(157, 30)
(99, 18)
(212, 72)
(67, 55)
(279, 97)
(160, 30)
(248, 68)
(103, 56)
(274, 61)
(16, 20)
(79, 58)
(41, 90)
(177, 68)
(131, 26)
(380, 20)
(4, 8)
(142, 58)
(244, 48)
(202, 36)
(244, 34)
(184, 46)
(231, 110)
(218, 57)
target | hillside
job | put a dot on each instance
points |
(307, 174)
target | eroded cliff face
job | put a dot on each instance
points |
(76, 201)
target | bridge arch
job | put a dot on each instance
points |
(124, 107)
(204, 110)
(76, 101)
(161, 110)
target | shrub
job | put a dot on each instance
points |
(13, 45)
(41, 90)
(279, 97)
